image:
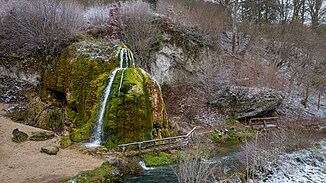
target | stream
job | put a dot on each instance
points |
(307, 165)
(227, 159)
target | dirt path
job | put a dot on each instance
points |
(25, 163)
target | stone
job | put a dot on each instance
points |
(246, 102)
(50, 149)
(19, 136)
(41, 135)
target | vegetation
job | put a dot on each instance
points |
(105, 174)
(160, 159)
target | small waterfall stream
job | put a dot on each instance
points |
(126, 60)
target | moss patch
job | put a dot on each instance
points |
(160, 159)
(105, 174)
(65, 142)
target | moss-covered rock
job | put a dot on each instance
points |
(65, 142)
(19, 136)
(81, 74)
(41, 135)
(135, 110)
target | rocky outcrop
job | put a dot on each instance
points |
(19, 136)
(165, 63)
(246, 102)
(50, 149)
(41, 135)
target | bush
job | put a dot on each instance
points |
(39, 26)
(139, 31)
(211, 17)
(98, 17)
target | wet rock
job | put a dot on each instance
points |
(50, 149)
(41, 135)
(19, 136)
(242, 102)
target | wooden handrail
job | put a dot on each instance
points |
(157, 140)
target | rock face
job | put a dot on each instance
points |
(50, 149)
(19, 136)
(244, 102)
(41, 136)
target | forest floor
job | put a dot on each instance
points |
(25, 163)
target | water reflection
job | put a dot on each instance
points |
(163, 174)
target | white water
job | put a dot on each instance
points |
(143, 165)
(121, 79)
(96, 137)
(125, 56)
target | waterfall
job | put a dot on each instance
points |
(121, 80)
(126, 60)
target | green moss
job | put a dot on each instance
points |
(233, 136)
(160, 159)
(82, 134)
(104, 174)
(65, 142)
(19, 136)
(129, 112)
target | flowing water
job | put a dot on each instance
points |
(126, 60)
(227, 160)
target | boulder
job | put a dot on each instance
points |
(246, 102)
(50, 149)
(19, 136)
(41, 135)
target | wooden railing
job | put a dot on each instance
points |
(269, 122)
(182, 140)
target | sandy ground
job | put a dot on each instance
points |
(25, 163)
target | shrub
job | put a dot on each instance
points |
(211, 17)
(39, 26)
(139, 30)
(97, 17)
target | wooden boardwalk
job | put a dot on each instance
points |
(170, 142)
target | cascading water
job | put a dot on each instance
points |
(126, 60)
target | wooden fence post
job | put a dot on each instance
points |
(155, 146)
(139, 148)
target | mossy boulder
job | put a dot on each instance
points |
(19, 136)
(41, 135)
(50, 149)
(135, 110)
